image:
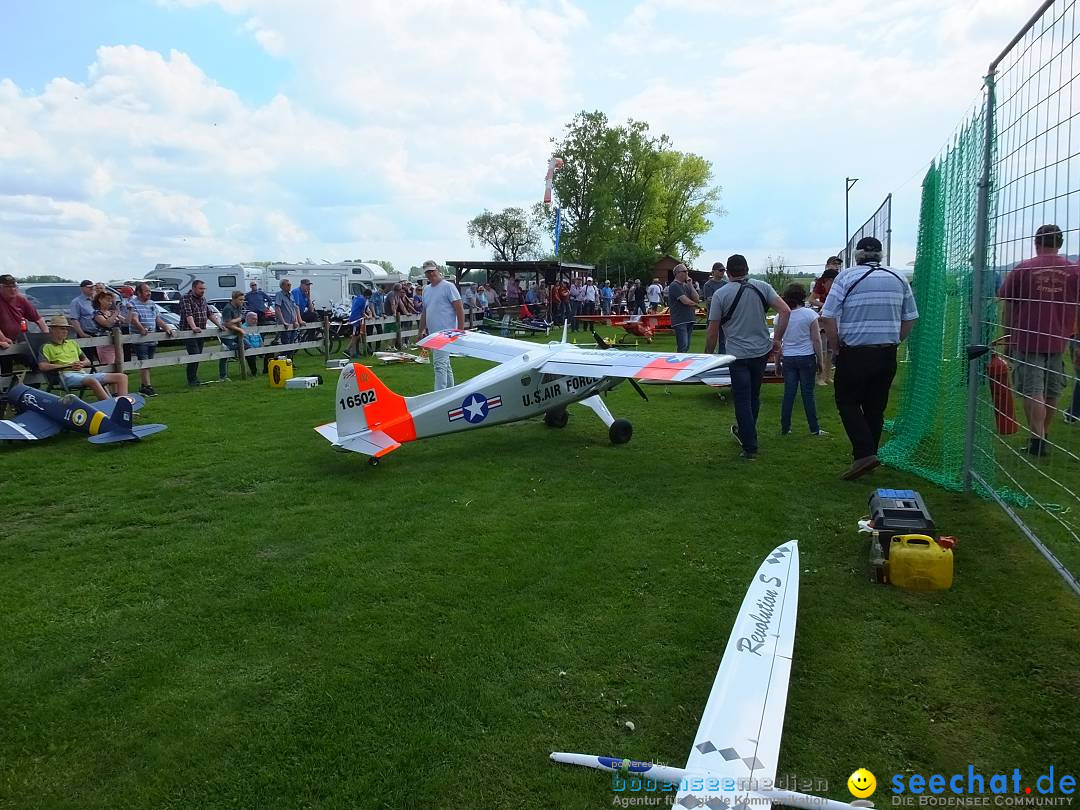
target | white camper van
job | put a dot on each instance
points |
(331, 283)
(221, 279)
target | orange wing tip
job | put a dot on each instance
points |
(386, 450)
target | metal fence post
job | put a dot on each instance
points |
(978, 270)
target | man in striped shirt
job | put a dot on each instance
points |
(868, 312)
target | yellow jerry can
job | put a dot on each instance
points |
(919, 563)
(280, 369)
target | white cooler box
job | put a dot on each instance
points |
(303, 382)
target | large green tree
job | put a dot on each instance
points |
(511, 234)
(686, 203)
(627, 193)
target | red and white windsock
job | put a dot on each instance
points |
(553, 166)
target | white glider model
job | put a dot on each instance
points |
(532, 379)
(733, 759)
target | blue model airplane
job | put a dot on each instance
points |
(40, 415)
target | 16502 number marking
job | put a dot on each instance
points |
(358, 400)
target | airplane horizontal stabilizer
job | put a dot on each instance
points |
(369, 442)
(112, 436)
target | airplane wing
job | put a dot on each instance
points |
(739, 733)
(28, 427)
(477, 344)
(641, 365)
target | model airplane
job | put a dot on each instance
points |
(40, 415)
(531, 379)
(733, 759)
(390, 358)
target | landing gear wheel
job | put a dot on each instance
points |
(373, 462)
(556, 419)
(620, 431)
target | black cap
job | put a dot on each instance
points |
(86, 283)
(869, 243)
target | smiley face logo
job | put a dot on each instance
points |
(861, 783)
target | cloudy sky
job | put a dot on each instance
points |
(211, 131)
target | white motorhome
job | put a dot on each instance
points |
(331, 283)
(221, 279)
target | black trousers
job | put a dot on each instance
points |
(861, 384)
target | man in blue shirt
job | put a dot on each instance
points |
(356, 320)
(302, 296)
(258, 302)
(606, 296)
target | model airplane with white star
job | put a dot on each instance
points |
(532, 379)
(733, 760)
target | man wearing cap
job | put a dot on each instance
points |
(442, 310)
(1042, 311)
(682, 305)
(868, 312)
(302, 296)
(590, 297)
(15, 312)
(739, 308)
(81, 310)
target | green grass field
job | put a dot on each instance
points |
(230, 614)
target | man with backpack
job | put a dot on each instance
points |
(739, 309)
(868, 312)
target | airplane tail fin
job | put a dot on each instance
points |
(121, 416)
(365, 403)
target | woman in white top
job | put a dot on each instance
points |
(801, 353)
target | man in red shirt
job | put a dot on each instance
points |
(1042, 310)
(15, 312)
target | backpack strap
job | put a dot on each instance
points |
(743, 285)
(873, 266)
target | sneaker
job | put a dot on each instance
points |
(224, 379)
(194, 383)
(735, 435)
(821, 433)
(785, 432)
(1070, 419)
(748, 456)
(148, 391)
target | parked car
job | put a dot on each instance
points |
(54, 298)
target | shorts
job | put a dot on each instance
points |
(1038, 374)
(74, 379)
(358, 328)
(144, 351)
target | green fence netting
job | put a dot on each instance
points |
(928, 434)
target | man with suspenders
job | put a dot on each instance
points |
(739, 309)
(868, 312)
